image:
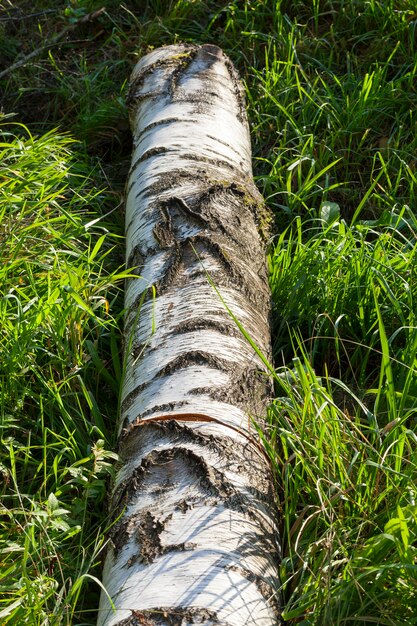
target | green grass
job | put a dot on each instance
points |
(350, 290)
(347, 484)
(331, 94)
(59, 374)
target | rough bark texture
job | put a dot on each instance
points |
(195, 539)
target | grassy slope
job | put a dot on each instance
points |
(332, 97)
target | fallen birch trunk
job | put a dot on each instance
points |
(196, 538)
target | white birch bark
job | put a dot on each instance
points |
(196, 539)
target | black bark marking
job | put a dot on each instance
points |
(178, 71)
(194, 357)
(129, 424)
(148, 154)
(217, 163)
(220, 237)
(164, 408)
(131, 397)
(235, 454)
(215, 249)
(184, 546)
(182, 206)
(166, 121)
(184, 250)
(189, 244)
(248, 196)
(173, 616)
(176, 178)
(249, 388)
(241, 458)
(239, 92)
(135, 259)
(162, 231)
(209, 55)
(224, 326)
(171, 268)
(179, 432)
(214, 486)
(211, 480)
(167, 231)
(148, 535)
(209, 58)
(136, 83)
(189, 156)
(223, 143)
(129, 188)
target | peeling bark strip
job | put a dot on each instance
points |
(194, 539)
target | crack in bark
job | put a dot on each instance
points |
(166, 231)
(182, 206)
